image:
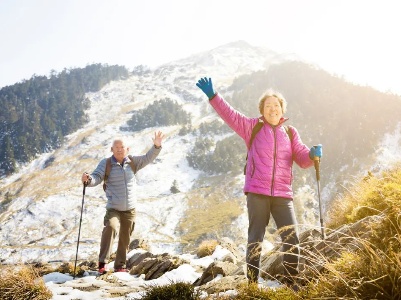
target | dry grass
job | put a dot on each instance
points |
(207, 248)
(372, 269)
(68, 268)
(366, 273)
(22, 283)
(210, 213)
(371, 196)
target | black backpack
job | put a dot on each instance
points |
(256, 129)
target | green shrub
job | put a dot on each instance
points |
(164, 112)
(173, 291)
(213, 128)
(227, 156)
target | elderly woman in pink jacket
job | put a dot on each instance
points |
(268, 174)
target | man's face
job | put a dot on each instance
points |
(119, 150)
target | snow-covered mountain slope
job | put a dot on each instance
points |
(43, 220)
(41, 208)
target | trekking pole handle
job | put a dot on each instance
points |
(316, 161)
(85, 184)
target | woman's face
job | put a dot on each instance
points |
(272, 110)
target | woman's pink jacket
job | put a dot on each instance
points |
(270, 158)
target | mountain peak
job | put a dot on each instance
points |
(226, 61)
(237, 44)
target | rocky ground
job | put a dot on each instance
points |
(221, 275)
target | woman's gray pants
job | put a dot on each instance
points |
(282, 209)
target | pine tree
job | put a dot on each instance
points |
(7, 157)
(174, 188)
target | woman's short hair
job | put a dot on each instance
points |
(272, 93)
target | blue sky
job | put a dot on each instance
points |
(356, 39)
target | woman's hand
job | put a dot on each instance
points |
(316, 152)
(206, 86)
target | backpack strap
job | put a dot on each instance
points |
(131, 163)
(258, 126)
(288, 130)
(107, 172)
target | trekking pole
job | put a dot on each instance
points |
(316, 161)
(79, 231)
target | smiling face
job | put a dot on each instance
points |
(272, 110)
(120, 151)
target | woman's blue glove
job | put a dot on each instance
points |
(206, 86)
(316, 151)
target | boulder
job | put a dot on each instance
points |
(137, 258)
(139, 243)
(224, 284)
(154, 266)
(214, 269)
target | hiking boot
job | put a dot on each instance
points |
(120, 270)
(102, 268)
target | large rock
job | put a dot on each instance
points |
(143, 267)
(315, 252)
(228, 244)
(154, 266)
(346, 238)
(224, 284)
(139, 243)
(137, 258)
(214, 269)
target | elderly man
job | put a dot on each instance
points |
(118, 174)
